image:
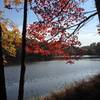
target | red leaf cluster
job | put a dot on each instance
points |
(49, 35)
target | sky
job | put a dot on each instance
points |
(88, 34)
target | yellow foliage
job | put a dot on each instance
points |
(17, 2)
(11, 38)
(6, 2)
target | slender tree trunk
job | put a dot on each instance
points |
(2, 76)
(22, 74)
(97, 3)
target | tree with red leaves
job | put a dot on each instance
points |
(54, 18)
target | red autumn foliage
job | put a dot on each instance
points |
(50, 35)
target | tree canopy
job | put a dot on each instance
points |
(55, 18)
(11, 38)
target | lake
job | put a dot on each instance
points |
(45, 77)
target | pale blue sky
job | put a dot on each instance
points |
(88, 33)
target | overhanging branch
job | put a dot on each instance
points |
(79, 24)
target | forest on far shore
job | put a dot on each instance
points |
(92, 49)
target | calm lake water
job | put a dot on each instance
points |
(45, 77)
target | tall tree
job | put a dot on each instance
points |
(22, 74)
(54, 19)
(2, 75)
(8, 43)
(97, 3)
(23, 68)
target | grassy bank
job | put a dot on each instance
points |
(85, 90)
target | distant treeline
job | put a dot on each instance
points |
(92, 49)
(29, 58)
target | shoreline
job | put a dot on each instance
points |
(53, 59)
(85, 90)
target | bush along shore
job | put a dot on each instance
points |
(84, 90)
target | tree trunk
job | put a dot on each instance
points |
(2, 76)
(97, 3)
(22, 74)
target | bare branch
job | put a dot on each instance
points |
(79, 25)
(82, 22)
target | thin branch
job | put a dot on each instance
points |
(90, 11)
(60, 11)
(79, 25)
(83, 20)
